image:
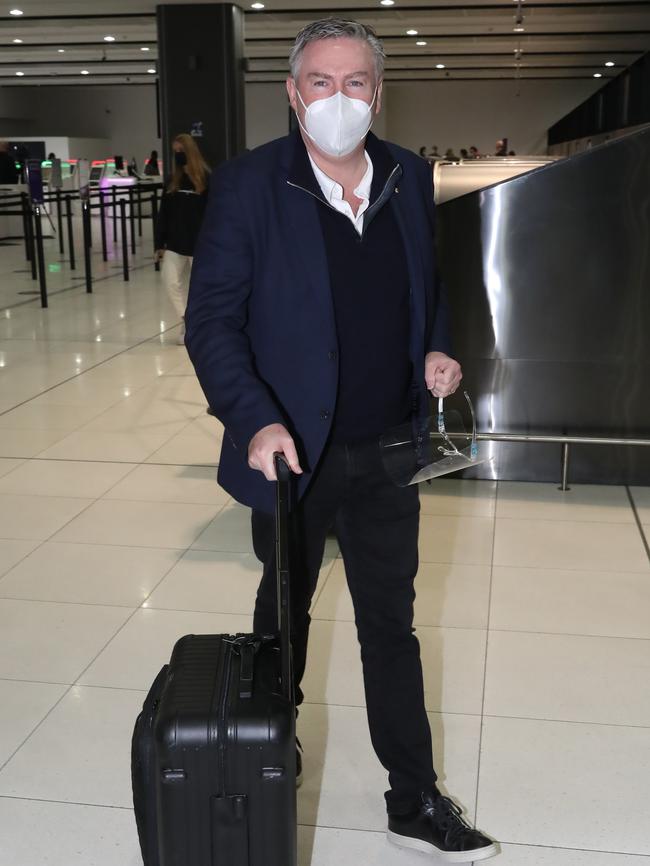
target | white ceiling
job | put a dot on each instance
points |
(564, 39)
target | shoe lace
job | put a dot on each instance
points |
(448, 817)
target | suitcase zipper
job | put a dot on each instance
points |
(221, 723)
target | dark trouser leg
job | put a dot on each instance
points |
(377, 529)
(311, 520)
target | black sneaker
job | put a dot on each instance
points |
(439, 828)
(298, 763)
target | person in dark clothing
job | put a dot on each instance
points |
(315, 323)
(179, 220)
(151, 166)
(8, 172)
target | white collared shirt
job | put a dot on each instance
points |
(333, 192)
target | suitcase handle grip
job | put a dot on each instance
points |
(282, 470)
(283, 473)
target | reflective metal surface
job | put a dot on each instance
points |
(452, 179)
(549, 281)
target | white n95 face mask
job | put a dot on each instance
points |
(337, 124)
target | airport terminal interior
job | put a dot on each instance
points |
(533, 589)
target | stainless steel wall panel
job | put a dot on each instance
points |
(549, 282)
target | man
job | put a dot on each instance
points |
(314, 324)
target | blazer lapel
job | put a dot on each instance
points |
(300, 199)
(414, 260)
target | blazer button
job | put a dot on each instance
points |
(331, 355)
(324, 414)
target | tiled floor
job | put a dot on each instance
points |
(532, 612)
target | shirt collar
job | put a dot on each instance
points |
(301, 173)
(333, 191)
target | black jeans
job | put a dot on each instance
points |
(376, 524)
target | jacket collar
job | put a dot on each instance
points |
(301, 174)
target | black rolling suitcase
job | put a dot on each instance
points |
(214, 749)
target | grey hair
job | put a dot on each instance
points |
(337, 28)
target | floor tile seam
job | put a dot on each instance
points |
(52, 539)
(485, 660)
(501, 841)
(80, 286)
(308, 703)
(110, 462)
(22, 558)
(346, 829)
(589, 635)
(520, 566)
(564, 520)
(183, 552)
(243, 613)
(615, 725)
(65, 802)
(424, 561)
(572, 848)
(91, 501)
(108, 604)
(7, 679)
(66, 691)
(640, 525)
(416, 624)
(121, 628)
(123, 625)
(159, 501)
(129, 472)
(94, 544)
(88, 370)
(48, 495)
(628, 521)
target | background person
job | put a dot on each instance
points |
(179, 221)
(151, 166)
(315, 323)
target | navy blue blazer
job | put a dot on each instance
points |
(260, 326)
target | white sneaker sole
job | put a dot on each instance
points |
(443, 856)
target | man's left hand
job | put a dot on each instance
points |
(442, 374)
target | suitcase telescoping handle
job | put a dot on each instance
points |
(283, 474)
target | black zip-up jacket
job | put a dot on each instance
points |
(180, 218)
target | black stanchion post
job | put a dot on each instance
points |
(90, 228)
(137, 189)
(32, 243)
(40, 254)
(114, 214)
(125, 250)
(102, 224)
(154, 220)
(85, 220)
(59, 221)
(132, 219)
(24, 203)
(68, 219)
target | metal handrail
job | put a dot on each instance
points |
(564, 441)
(560, 440)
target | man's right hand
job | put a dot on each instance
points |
(158, 256)
(263, 445)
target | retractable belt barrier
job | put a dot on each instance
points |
(136, 196)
